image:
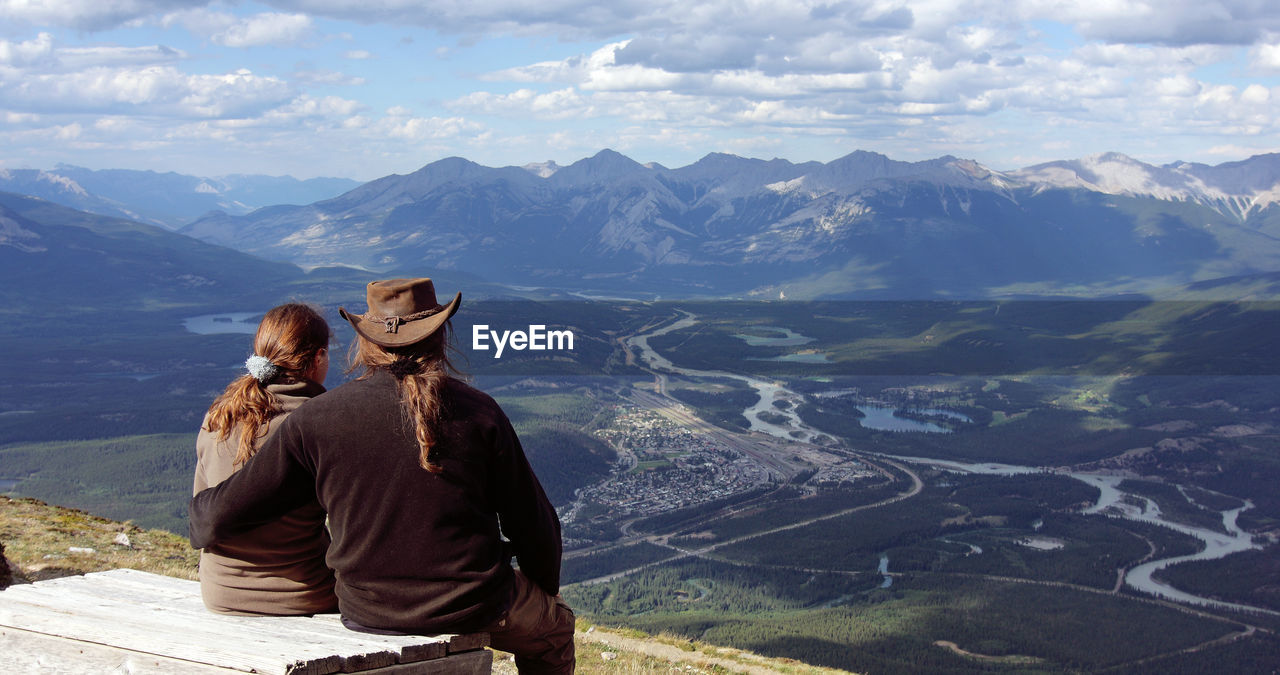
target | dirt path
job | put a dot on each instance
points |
(1011, 658)
(1225, 639)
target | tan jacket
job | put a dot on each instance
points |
(275, 569)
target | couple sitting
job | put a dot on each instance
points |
(419, 475)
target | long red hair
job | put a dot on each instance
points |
(291, 337)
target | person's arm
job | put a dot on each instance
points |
(201, 480)
(206, 458)
(527, 517)
(269, 485)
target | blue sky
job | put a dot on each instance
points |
(361, 90)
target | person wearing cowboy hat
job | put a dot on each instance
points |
(422, 476)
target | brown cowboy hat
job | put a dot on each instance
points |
(401, 312)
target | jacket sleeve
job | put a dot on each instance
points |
(269, 485)
(206, 447)
(201, 478)
(527, 517)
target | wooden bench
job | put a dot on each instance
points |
(135, 622)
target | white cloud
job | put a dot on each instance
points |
(914, 76)
(1255, 94)
(1174, 22)
(114, 125)
(28, 52)
(1266, 56)
(38, 76)
(556, 105)
(230, 30)
(1235, 151)
(43, 55)
(266, 29)
(161, 90)
(77, 58)
(68, 132)
(418, 129)
(88, 15)
(325, 107)
(16, 119)
(327, 78)
(724, 33)
(780, 113)
(1180, 85)
(917, 74)
(571, 19)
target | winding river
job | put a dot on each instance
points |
(1111, 502)
(769, 391)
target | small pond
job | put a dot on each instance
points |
(882, 418)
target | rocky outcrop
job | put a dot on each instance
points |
(6, 575)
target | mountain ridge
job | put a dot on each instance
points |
(728, 225)
(863, 225)
(55, 256)
(168, 199)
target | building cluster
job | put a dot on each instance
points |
(672, 467)
(842, 475)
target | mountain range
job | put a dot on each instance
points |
(169, 199)
(863, 226)
(59, 261)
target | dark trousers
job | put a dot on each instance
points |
(538, 629)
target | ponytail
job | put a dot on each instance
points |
(420, 395)
(245, 405)
(288, 341)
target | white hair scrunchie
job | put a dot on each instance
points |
(261, 368)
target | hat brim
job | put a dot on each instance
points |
(406, 333)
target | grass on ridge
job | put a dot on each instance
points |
(46, 542)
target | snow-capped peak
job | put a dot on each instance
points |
(542, 169)
(1118, 174)
(62, 182)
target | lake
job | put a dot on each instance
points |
(882, 418)
(785, 338)
(231, 322)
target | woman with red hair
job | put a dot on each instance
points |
(278, 568)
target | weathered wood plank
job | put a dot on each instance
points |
(174, 608)
(146, 587)
(411, 647)
(27, 652)
(244, 643)
(456, 642)
(117, 626)
(165, 617)
(188, 611)
(468, 642)
(466, 663)
(146, 582)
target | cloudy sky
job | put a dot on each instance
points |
(364, 89)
